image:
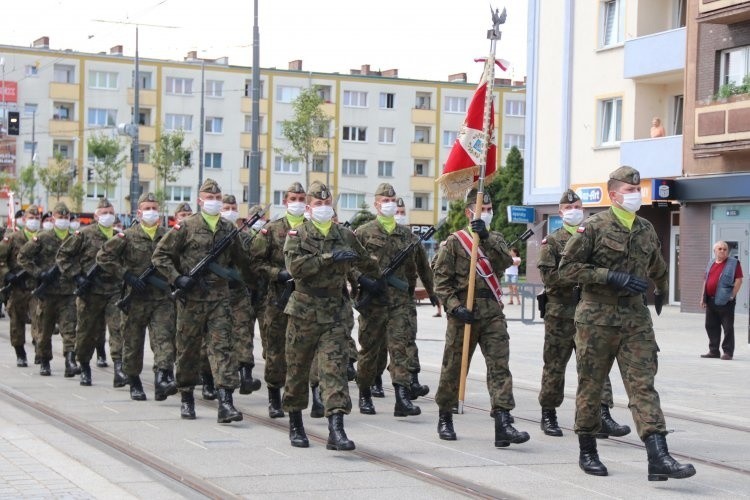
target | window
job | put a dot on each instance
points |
(30, 108)
(735, 64)
(145, 83)
(421, 201)
(64, 149)
(179, 86)
(449, 137)
(517, 140)
(32, 70)
(63, 73)
(386, 135)
(178, 193)
(679, 103)
(97, 189)
(353, 167)
(144, 153)
(351, 201)
(249, 124)
(356, 134)
(214, 125)
(214, 88)
(422, 168)
(324, 91)
(102, 117)
(424, 100)
(455, 104)
(610, 117)
(355, 99)
(62, 111)
(287, 94)
(320, 164)
(29, 147)
(278, 198)
(285, 166)
(178, 122)
(515, 108)
(612, 22)
(144, 116)
(249, 88)
(443, 204)
(422, 134)
(212, 160)
(387, 100)
(103, 80)
(385, 169)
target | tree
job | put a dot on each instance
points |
(26, 183)
(506, 188)
(55, 177)
(108, 164)
(307, 132)
(456, 220)
(169, 158)
(363, 216)
(77, 192)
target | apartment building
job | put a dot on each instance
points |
(383, 128)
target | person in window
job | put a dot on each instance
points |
(720, 288)
(657, 129)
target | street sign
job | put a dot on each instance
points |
(554, 223)
(590, 194)
(520, 214)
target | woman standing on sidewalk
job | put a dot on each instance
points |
(511, 276)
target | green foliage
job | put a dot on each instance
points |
(455, 220)
(729, 89)
(169, 158)
(76, 194)
(55, 177)
(108, 163)
(26, 183)
(363, 216)
(9, 181)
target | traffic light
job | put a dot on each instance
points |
(14, 123)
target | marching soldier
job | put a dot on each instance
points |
(561, 298)
(205, 313)
(57, 303)
(318, 255)
(97, 292)
(489, 328)
(126, 257)
(613, 255)
(20, 302)
(259, 288)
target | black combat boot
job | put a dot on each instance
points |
(377, 388)
(21, 361)
(505, 433)
(445, 426)
(44, 369)
(610, 427)
(492, 414)
(661, 465)
(187, 408)
(274, 403)
(588, 459)
(101, 356)
(317, 410)
(297, 435)
(404, 406)
(227, 412)
(549, 422)
(163, 387)
(415, 388)
(337, 439)
(208, 392)
(366, 406)
(351, 372)
(248, 384)
(120, 379)
(136, 388)
(71, 368)
(85, 373)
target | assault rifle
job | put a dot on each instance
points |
(17, 278)
(51, 276)
(527, 234)
(147, 276)
(88, 279)
(206, 262)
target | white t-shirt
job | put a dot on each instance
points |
(513, 270)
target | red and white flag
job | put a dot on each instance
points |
(11, 210)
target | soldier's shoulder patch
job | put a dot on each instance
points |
(581, 229)
(176, 226)
(121, 235)
(35, 238)
(544, 241)
(263, 230)
(292, 232)
(6, 238)
(78, 231)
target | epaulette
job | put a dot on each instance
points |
(292, 232)
(544, 241)
(581, 229)
(263, 230)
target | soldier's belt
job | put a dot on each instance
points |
(613, 300)
(561, 299)
(478, 294)
(319, 292)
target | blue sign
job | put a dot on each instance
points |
(662, 189)
(590, 195)
(554, 223)
(520, 214)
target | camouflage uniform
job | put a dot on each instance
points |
(424, 271)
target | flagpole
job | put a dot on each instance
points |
(493, 35)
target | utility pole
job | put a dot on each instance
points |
(253, 188)
(202, 130)
(135, 181)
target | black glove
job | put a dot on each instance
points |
(184, 282)
(47, 276)
(370, 285)
(10, 278)
(283, 276)
(625, 281)
(463, 314)
(434, 300)
(479, 227)
(135, 282)
(344, 255)
(80, 280)
(658, 302)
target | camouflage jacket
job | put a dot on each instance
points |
(267, 252)
(77, 255)
(451, 268)
(560, 292)
(603, 244)
(10, 246)
(38, 255)
(187, 243)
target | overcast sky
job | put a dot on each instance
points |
(424, 39)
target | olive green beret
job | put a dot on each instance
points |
(296, 187)
(183, 207)
(385, 189)
(472, 197)
(400, 203)
(33, 210)
(229, 199)
(628, 175)
(569, 196)
(103, 203)
(145, 197)
(318, 190)
(61, 208)
(210, 186)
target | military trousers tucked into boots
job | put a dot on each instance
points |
(19, 306)
(387, 325)
(159, 317)
(60, 310)
(97, 313)
(243, 325)
(275, 322)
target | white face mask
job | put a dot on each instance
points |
(106, 220)
(230, 215)
(75, 225)
(33, 225)
(19, 222)
(486, 217)
(631, 202)
(150, 217)
(212, 207)
(572, 217)
(295, 208)
(47, 225)
(322, 214)
(388, 209)
(62, 224)
(401, 219)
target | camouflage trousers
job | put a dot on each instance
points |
(314, 375)
(274, 352)
(329, 341)
(412, 351)
(635, 349)
(491, 333)
(384, 327)
(97, 313)
(243, 325)
(559, 344)
(60, 310)
(209, 320)
(158, 316)
(20, 308)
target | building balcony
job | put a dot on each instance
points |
(723, 11)
(424, 116)
(64, 91)
(246, 106)
(659, 157)
(319, 176)
(65, 160)
(146, 134)
(246, 140)
(724, 126)
(421, 217)
(63, 128)
(147, 98)
(329, 109)
(657, 58)
(422, 184)
(146, 171)
(423, 149)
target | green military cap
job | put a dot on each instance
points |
(46, 215)
(33, 210)
(400, 203)
(472, 197)
(385, 189)
(296, 187)
(61, 208)
(103, 203)
(318, 190)
(145, 197)
(210, 186)
(229, 199)
(183, 207)
(628, 175)
(569, 196)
